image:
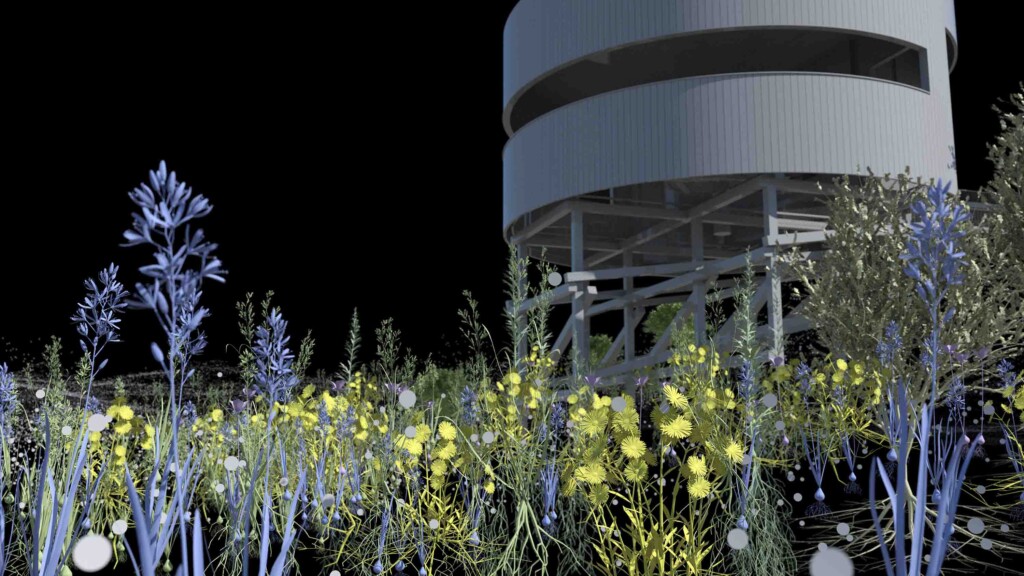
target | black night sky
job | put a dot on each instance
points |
(342, 173)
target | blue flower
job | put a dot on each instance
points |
(932, 259)
(1005, 371)
(322, 416)
(188, 413)
(8, 398)
(273, 358)
(558, 414)
(469, 401)
(97, 314)
(803, 373)
(890, 345)
(92, 404)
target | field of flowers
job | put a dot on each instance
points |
(490, 468)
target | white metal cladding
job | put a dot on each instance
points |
(541, 35)
(951, 19)
(730, 124)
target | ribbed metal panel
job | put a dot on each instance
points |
(951, 18)
(541, 35)
(729, 124)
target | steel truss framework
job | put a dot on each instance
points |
(685, 280)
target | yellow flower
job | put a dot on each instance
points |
(515, 379)
(307, 392)
(439, 468)
(572, 399)
(711, 402)
(150, 433)
(858, 368)
(120, 451)
(730, 396)
(697, 465)
(414, 447)
(633, 447)
(734, 451)
(590, 473)
(409, 444)
(699, 487)
(123, 428)
(217, 415)
(635, 471)
(342, 405)
(626, 421)
(489, 487)
(675, 398)
(598, 495)
(329, 401)
(446, 452)
(593, 423)
(678, 428)
(422, 432)
(446, 430)
(841, 364)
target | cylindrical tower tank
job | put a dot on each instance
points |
(666, 138)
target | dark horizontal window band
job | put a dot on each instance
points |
(786, 49)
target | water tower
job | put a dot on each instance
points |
(656, 142)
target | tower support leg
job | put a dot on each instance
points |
(771, 230)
